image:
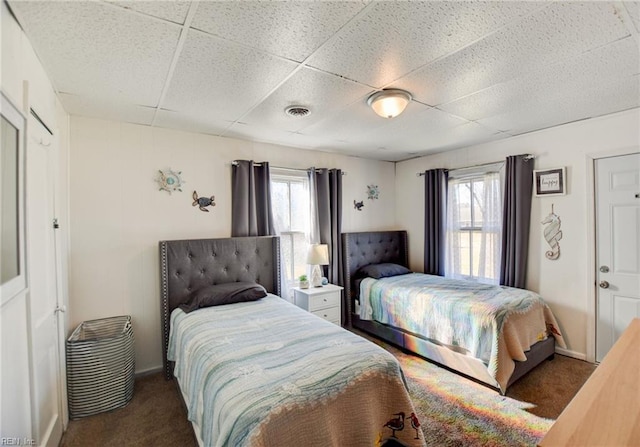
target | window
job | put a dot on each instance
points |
(292, 214)
(474, 226)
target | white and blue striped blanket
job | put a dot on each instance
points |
(269, 373)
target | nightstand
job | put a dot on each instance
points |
(321, 301)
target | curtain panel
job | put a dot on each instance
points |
(326, 217)
(251, 213)
(435, 215)
(516, 220)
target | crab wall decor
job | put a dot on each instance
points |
(372, 192)
(203, 202)
(358, 205)
(170, 180)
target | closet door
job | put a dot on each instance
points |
(43, 296)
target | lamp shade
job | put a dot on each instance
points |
(389, 103)
(318, 254)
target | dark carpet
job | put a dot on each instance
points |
(453, 410)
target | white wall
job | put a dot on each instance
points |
(19, 64)
(562, 283)
(118, 215)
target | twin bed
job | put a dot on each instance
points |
(263, 372)
(259, 371)
(493, 334)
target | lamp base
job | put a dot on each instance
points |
(316, 276)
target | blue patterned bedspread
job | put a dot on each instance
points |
(242, 365)
(465, 316)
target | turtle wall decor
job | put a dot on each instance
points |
(203, 202)
(358, 205)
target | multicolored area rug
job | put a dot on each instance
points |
(455, 411)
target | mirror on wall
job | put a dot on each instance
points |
(12, 263)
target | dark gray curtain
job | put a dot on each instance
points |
(251, 213)
(326, 187)
(435, 218)
(516, 219)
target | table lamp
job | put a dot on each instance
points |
(318, 255)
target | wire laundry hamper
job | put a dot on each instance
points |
(100, 366)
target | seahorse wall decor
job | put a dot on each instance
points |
(552, 234)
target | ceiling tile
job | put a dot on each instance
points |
(97, 51)
(418, 130)
(364, 150)
(424, 132)
(190, 122)
(284, 28)
(105, 109)
(544, 84)
(410, 131)
(355, 120)
(633, 8)
(269, 134)
(561, 30)
(601, 99)
(393, 38)
(468, 134)
(323, 93)
(174, 11)
(220, 79)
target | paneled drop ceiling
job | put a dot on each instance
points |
(478, 71)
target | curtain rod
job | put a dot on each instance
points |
(235, 163)
(527, 157)
(37, 117)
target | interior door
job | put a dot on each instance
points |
(43, 296)
(618, 247)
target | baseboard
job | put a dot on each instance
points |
(146, 372)
(573, 354)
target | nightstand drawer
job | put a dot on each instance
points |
(323, 301)
(331, 314)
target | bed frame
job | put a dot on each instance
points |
(188, 265)
(360, 249)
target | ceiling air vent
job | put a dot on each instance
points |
(297, 111)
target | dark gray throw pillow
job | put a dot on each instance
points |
(220, 294)
(383, 270)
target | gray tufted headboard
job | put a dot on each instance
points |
(372, 247)
(188, 265)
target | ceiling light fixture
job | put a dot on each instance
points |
(389, 103)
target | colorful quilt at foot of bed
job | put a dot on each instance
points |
(267, 373)
(495, 324)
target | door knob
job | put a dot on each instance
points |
(604, 284)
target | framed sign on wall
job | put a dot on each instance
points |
(550, 182)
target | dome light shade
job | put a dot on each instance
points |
(389, 103)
